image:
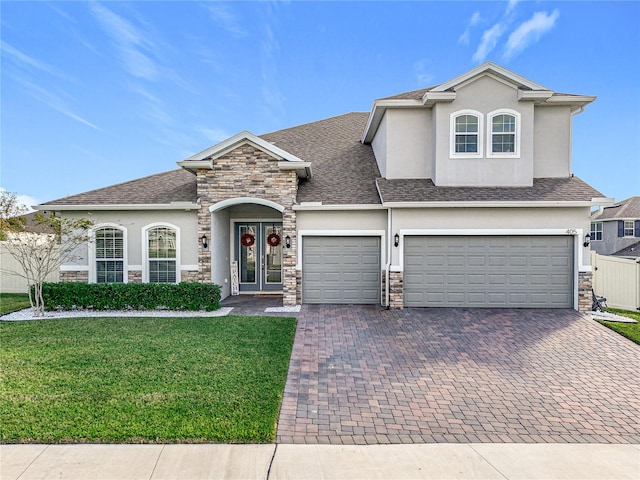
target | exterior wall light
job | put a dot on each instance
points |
(204, 241)
(396, 240)
(287, 242)
(587, 240)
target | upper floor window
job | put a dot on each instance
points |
(109, 255)
(466, 138)
(504, 134)
(596, 231)
(628, 228)
(162, 255)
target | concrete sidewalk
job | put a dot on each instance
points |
(287, 461)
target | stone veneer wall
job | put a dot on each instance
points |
(396, 294)
(189, 276)
(75, 276)
(249, 172)
(134, 276)
(585, 295)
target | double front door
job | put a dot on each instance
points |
(259, 255)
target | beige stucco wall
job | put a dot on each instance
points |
(342, 220)
(379, 146)
(484, 95)
(408, 143)
(552, 148)
(134, 222)
(483, 219)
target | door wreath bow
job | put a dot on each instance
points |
(273, 239)
(247, 240)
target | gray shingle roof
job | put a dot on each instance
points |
(629, 208)
(632, 250)
(344, 170)
(162, 188)
(543, 189)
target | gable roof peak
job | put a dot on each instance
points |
(490, 68)
(287, 161)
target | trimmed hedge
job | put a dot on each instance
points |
(126, 296)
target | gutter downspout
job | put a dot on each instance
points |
(388, 266)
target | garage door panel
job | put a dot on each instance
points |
(516, 271)
(341, 269)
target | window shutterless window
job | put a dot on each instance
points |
(109, 255)
(161, 243)
(504, 134)
(596, 231)
(466, 136)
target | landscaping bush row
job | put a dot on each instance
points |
(137, 296)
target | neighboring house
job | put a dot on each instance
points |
(456, 195)
(615, 230)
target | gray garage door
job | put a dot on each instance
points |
(488, 271)
(341, 270)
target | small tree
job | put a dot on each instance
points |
(40, 254)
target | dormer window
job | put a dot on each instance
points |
(504, 134)
(466, 139)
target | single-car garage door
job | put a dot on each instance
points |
(341, 270)
(488, 271)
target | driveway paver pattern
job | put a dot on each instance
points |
(367, 375)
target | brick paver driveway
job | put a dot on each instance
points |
(363, 375)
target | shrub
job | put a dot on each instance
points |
(137, 296)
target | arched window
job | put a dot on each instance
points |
(504, 134)
(109, 255)
(162, 250)
(466, 136)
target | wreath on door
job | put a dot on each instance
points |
(247, 240)
(273, 239)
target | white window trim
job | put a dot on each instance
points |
(145, 249)
(490, 115)
(93, 274)
(452, 134)
(593, 232)
(632, 228)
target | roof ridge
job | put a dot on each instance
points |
(311, 123)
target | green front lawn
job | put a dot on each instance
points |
(132, 380)
(10, 302)
(629, 330)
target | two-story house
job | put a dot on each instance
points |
(456, 195)
(615, 230)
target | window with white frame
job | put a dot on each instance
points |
(503, 134)
(628, 228)
(109, 255)
(596, 231)
(162, 255)
(466, 136)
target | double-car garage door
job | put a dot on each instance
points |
(444, 271)
(488, 271)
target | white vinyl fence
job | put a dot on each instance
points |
(617, 279)
(14, 283)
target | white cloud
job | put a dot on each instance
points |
(52, 100)
(25, 201)
(129, 41)
(24, 60)
(225, 18)
(423, 77)
(489, 41)
(511, 4)
(465, 38)
(530, 32)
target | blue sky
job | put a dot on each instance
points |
(97, 93)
